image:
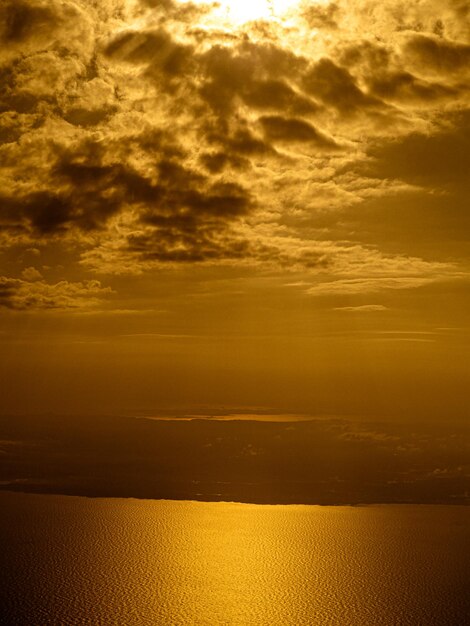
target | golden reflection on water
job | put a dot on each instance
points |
(258, 564)
(131, 562)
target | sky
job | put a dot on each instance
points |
(235, 208)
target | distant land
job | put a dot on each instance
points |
(318, 461)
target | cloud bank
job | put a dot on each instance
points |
(138, 135)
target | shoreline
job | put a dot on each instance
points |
(208, 499)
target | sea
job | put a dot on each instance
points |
(99, 561)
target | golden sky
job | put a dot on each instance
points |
(259, 205)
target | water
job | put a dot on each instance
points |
(71, 560)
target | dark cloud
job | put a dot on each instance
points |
(81, 116)
(37, 35)
(145, 115)
(187, 195)
(403, 86)
(382, 71)
(184, 241)
(371, 56)
(158, 4)
(157, 49)
(278, 128)
(83, 191)
(437, 54)
(322, 16)
(278, 95)
(183, 212)
(31, 26)
(216, 162)
(251, 72)
(418, 157)
(241, 141)
(190, 219)
(45, 211)
(23, 19)
(336, 87)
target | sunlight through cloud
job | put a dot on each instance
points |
(243, 11)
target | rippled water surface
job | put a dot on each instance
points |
(69, 560)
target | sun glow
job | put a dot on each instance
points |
(242, 11)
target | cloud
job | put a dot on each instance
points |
(417, 158)
(278, 95)
(34, 24)
(437, 55)
(336, 87)
(366, 308)
(402, 86)
(34, 295)
(278, 128)
(321, 15)
(82, 190)
(368, 285)
(31, 274)
(159, 136)
(156, 49)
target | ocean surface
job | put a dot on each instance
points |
(73, 560)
